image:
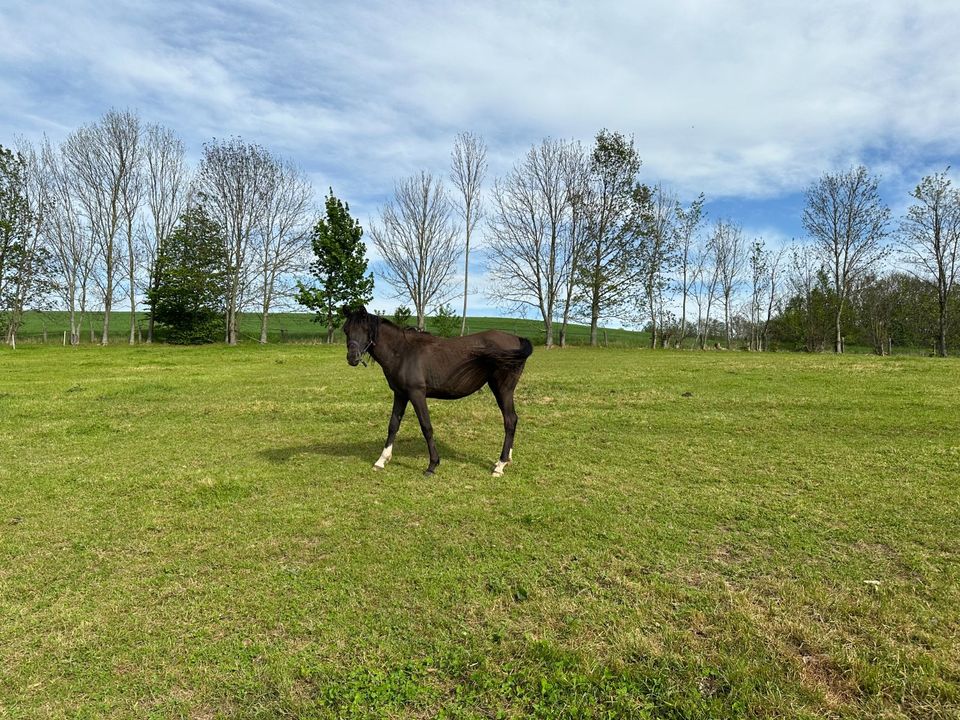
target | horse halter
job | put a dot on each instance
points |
(354, 343)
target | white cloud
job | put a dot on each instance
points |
(740, 100)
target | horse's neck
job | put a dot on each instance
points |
(390, 346)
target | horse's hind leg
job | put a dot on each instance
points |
(423, 415)
(503, 386)
(399, 406)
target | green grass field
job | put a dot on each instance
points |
(299, 327)
(198, 533)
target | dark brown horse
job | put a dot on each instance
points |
(420, 366)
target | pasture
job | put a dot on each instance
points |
(198, 533)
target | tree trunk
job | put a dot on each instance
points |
(264, 319)
(231, 324)
(466, 271)
(838, 341)
(726, 319)
(107, 306)
(942, 329)
(683, 320)
(594, 316)
(133, 287)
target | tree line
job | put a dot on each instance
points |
(574, 235)
(89, 222)
(113, 214)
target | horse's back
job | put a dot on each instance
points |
(456, 367)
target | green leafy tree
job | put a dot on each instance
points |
(446, 321)
(402, 315)
(609, 273)
(25, 264)
(807, 319)
(15, 220)
(340, 267)
(190, 294)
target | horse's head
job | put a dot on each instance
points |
(361, 330)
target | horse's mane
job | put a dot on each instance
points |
(405, 330)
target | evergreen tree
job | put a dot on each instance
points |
(340, 267)
(189, 298)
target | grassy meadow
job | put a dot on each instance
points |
(198, 533)
(299, 327)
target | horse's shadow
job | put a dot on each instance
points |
(367, 452)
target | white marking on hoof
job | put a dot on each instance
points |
(384, 458)
(498, 468)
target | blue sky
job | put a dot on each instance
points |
(747, 102)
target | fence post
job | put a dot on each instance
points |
(64, 338)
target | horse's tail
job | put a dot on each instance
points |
(526, 348)
(511, 357)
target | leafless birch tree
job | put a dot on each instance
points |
(467, 171)
(233, 179)
(283, 240)
(102, 158)
(848, 223)
(764, 285)
(656, 253)
(167, 184)
(131, 193)
(930, 240)
(70, 240)
(581, 200)
(689, 222)
(529, 242)
(730, 257)
(417, 239)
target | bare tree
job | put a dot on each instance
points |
(848, 223)
(576, 238)
(704, 288)
(529, 241)
(417, 238)
(730, 258)
(807, 279)
(688, 223)
(131, 194)
(758, 273)
(930, 240)
(166, 187)
(233, 179)
(467, 171)
(764, 284)
(70, 240)
(102, 158)
(283, 240)
(656, 252)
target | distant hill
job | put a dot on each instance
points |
(299, 327)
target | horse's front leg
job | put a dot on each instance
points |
(399, 406)
(419, 401)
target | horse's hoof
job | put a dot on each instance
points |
(428, 473)
(378, 468)
(497, 473)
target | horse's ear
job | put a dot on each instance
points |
(345, 311)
